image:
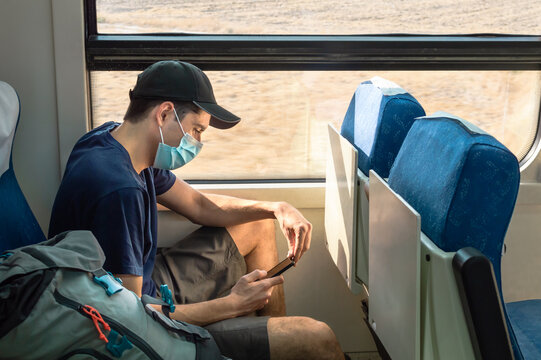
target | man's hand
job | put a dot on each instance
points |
(249, 295)
(296, 228)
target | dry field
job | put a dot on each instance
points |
(283, 133)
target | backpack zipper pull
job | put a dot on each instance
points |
(97, 319)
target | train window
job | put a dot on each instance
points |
(319, 17)
(283, 133)
(478, 60)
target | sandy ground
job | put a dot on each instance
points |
(321, 17)
(283, 133)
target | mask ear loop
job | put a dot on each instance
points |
(161, 135)
(181, 128)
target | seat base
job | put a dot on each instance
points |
(525, 318)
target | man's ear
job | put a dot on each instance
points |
(161, 112)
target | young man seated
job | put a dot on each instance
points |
(116, 175)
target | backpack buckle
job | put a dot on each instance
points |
(109, 283)
(167, 297)
(117, 347)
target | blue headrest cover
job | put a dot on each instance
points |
(9, 116)
(378, 118)
(462, 181)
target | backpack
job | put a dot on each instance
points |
(57, 302)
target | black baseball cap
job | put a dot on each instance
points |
(181, 81)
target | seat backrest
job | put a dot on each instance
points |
(462, 181)
(378, 118)
(464, 184)
(18, 226)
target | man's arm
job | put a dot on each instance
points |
(213, 210)
(246, 296)
(223, 211)
(131, 282)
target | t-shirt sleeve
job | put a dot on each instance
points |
(118, 224)
(163, 180)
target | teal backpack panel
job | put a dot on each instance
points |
(56, 302)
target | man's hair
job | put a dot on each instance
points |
(140, 107)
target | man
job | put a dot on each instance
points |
(117, 173)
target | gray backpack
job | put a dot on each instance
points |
(56, 302)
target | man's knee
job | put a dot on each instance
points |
(322, 338)
(323, 335)
(302, 337)
(252, 235)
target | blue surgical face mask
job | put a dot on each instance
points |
(170, 158)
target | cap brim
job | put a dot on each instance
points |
(220, 117)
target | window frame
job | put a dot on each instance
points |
(411, 52)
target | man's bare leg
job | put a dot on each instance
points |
(299, 337)
(256, 241)
(292, 337)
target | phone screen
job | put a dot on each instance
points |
(280, 268)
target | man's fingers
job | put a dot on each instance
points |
(273, 281)
(290, 253)
(299, 242)
(292, 243)
(255, 275)
(308, 240)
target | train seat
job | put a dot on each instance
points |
(377, 120)
(463, 184)
(462, 181)
(525, 319)
(18, 226)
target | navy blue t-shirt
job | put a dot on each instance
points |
(102, 192)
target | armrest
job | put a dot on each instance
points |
(482, 305)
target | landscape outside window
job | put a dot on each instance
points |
(283, 132)
(320, 17)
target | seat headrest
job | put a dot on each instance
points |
(9, 115)
(378, 118)
(462, 181)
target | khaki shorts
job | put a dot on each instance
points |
(204, 266)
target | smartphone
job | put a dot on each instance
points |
(280, 268)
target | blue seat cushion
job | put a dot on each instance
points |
(462, 181)
(525, 317)
(378, 118)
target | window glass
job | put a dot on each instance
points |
(320, 17)
(283, 132)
